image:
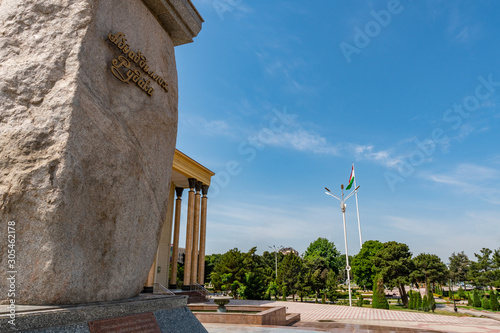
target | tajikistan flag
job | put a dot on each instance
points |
(351, 179)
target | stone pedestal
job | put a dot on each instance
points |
(168, 312)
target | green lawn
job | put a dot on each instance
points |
(475, 308)
(439, 312)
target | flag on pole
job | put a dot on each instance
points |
(351, 179)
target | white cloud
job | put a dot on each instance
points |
(260, 225)
(460, 29)
(206, 127)
(472, 179)
(297, 138)
(382, 157)
(465, 233)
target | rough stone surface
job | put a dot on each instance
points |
(85, 159)
(171, 314)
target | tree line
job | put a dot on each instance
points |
(320, 271)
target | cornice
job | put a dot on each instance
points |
(188, 167)
(179, 18)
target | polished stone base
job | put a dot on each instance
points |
(170, 312)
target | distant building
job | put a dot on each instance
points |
(180, 256)
(287, 250)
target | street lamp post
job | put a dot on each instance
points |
(342, 207)
(275, 257)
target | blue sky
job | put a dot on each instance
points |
(279, 98)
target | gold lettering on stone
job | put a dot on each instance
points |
(121, 63)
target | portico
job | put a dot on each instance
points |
(191, 175)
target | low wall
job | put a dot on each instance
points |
(265, 316)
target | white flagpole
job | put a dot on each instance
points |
(357, 209)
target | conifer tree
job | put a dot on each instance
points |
(419, 301)
(432, 302)
(379, 301)
(476, 299)
(425, 304)
(485, 303)
(494, 301)
(411, 303)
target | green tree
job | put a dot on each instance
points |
(254, 286)
(226, 282)
(459, 266)
(237, 288)
(362, 264)
(316, 274)
(378, 299)
(428, 268)
(231, 266)
(481, 271)
(331, 286)
(323, 248)
(210, 262)
(289, 273)
(285, 293)
(393, 262)
(268, 264)
(496, 267)
(272, 290)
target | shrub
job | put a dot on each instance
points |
(425, 304)
(411, 302)
(476, 299)
(360, 301)
(461, 293)
(379, 301)
(494, 302)
(418, 304)
(470, 302)
(323, 299)
(432, 302)
(485, 302)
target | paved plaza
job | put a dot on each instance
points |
(332, 318)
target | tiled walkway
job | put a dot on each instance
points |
(320, 316)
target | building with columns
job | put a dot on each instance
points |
(189, 175)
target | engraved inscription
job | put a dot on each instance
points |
(140, 323)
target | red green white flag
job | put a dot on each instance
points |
(351, 179)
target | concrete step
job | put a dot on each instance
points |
(193, 296)
(292, 318)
